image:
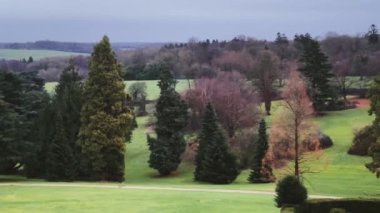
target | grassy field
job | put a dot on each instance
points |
(64, 199)
(36, 54)
(152, 89)
(336, 174)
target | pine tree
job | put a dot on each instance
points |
(214, 161)
(315, 67)
(60, 140)
(257, 174)
(60, 159)
(172, 117)
(106, 119)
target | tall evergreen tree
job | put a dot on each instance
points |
(63, 118)
(60, 159)
(257, 174)
(315, 67)
(21, 99)
(172, 117)
(214, 161)
(106, 119)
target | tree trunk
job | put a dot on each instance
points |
(296, 158)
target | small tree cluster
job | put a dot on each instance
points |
(138, 93)
(233, 97)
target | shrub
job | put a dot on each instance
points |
(324, 141)
(291, 191)
(362, 141)
(242, 145)
(340, 205)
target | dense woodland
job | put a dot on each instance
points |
(80, 132)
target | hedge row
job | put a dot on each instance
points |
(340, 206)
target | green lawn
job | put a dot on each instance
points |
(36, 54)
(71, 199)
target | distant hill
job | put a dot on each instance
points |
(74, 46)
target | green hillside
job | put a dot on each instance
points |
(17, 54)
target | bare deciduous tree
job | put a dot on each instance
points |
(292, 126)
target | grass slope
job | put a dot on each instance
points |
(36, 54)
(60, 199)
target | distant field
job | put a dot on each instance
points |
(152, 89)
(36, 54)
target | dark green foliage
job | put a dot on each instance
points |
(257, 173)
(324, 141)
(60, 128)
(290, 191)
(214, 161)
(172, 118)
(374, 94)
(60, 158)
(143, 72)
(344, 205)
(373, 35)
(315, 67)
(106, 119)
(21, 99)
(363, 139)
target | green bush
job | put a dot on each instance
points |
(325, 141)
(290, 191)
(340, 205)
(362, 141)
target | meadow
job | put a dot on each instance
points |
(18, 54)
(335, 174)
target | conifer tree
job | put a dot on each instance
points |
(315, 67)
(172, 117)
(214, 161)
(257, 174)
(106, 119)
(63, 115)
(60, 159)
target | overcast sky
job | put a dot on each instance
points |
(179, 20)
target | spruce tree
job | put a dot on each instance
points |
(315, 67)
(106, 119)
(214, 161)
(257, 174)
(172, 117)
(63, 120)
(60, 159)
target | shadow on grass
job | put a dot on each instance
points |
(12, 178)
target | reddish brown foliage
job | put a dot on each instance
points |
(234, 99)
(292, 126)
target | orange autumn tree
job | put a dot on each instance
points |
(292, 132)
